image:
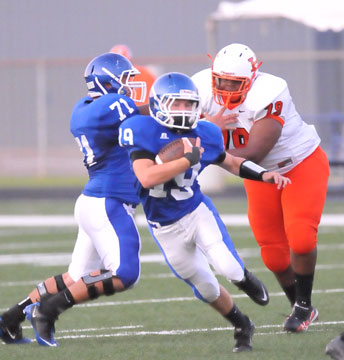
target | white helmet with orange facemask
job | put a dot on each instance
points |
(234, 69)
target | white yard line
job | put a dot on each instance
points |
(168, 275)
(129, 327)
(179, 331)
(180, 299)
(59, 259)
(67, 220)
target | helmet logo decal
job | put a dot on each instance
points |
(253, 63)
(90, 85)
(187, 92)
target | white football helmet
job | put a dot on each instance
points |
(238, 63)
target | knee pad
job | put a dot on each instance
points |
(207, 292)
(102, 276)
(302, 237)
(231, 271)
(275, 258)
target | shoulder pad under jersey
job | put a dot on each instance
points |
(264, 90)
(143, 129)
(202, 77)
(203, 81)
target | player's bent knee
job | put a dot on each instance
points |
(304, 246)
(231, 270)
(234, 273)
(131, 282)
(103, 277)
(276, 259)
(51, 286)
(129, 274)
(130, 278)
(302, 236)
(207, 292)
(302, 249)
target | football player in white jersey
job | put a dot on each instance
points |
(184, 222)
(105, 259)
(259, 122)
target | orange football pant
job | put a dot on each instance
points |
(288, 219)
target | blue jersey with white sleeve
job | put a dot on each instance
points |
(94, 125)
(167, 203)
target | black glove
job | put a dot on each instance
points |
(194, 156)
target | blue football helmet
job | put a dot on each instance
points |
(165, 90)
(113, 73)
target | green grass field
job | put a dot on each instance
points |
(160, 318)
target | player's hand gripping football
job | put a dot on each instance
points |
(193, 153)
(276, 178)
(223, 121)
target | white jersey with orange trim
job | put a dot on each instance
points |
(268, 97)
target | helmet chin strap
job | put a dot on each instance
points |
(231, 105)
(236, 100)
(160, 115)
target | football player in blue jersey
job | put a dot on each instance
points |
(105, 259)
(183, 221)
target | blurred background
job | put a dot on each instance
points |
(46, 45)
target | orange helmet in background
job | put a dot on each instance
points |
(146, 75)
(122, 50)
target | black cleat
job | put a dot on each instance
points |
(243, 337)
(42, 325)
(12, 335)
(335, 348)
(300, 318)
(254, 288)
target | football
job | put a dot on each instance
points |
(172, 151)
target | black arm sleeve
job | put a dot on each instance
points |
(142, 154)
(220, 159)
